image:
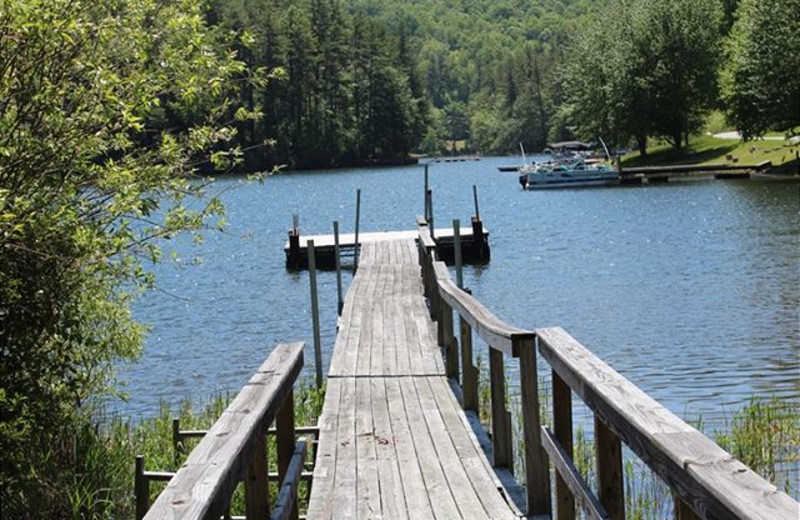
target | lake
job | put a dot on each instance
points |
(690, 289)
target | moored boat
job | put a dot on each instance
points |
(567, 175)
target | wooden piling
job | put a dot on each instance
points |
(457, 253)
(312, 277)
(338, 262)
(358, 221)
(425, 196)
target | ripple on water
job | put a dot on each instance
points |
(690, 289)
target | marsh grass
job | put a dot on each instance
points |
(101, 483)
(764, 434)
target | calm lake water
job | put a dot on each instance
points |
(690, 289)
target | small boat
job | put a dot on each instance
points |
(562, 174)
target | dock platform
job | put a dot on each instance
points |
(394, 441)
(296, 247)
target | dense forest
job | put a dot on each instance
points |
(354, 81)
(111, 111)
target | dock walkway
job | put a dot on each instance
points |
(394, 441)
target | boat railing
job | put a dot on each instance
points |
(706, 481)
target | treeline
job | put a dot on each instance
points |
(500, 73)
(342, 89)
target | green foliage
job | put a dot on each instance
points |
(643, 68)
(761, 78)
(348, 92)
(92, 171)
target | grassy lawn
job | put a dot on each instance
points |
(706, 149)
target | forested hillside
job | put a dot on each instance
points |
(364, 81)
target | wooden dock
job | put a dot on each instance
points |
(296, 247)
(394, 441)
(399, 435)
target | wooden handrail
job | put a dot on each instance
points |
(494, 331)
(708, 482)
(235, 447)
(705, 476)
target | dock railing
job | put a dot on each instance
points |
(706, 481)
(234, 450)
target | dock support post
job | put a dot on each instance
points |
(457, 253)
(358, 220)
(430, 216)
(479, 240)
(312, 276)
(426, 208)
(338, 261)
(293, 260)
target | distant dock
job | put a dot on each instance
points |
(296, 248)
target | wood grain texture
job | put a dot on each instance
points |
(203, 485)
(711, 480)
(571, 477)
(393, 439)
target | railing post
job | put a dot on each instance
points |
(610, 486)
(683, 511)
(338, 260)
(256, 482)
(284, 424)
(312, 277)
(141, 489)
(469, 373)
(176, 439)
(501, 426)
(537, 470)
(450, 341)
(562, 426)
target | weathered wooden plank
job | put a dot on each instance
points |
(408, 460)
(392, 495)
(468, 451)
(321, 501)
(460, 485)
(494, 331)
(203, 485)
(345, 488)
(368, 491)
(440, 496)
(569, 475)
(692, 465)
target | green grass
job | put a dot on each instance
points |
(100, 485)
(764, 434)
(706, 149)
